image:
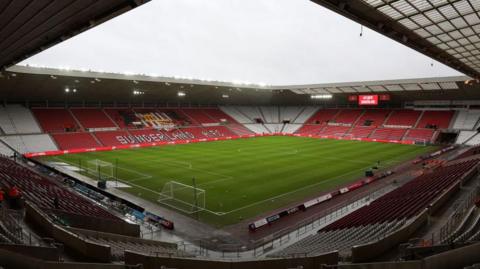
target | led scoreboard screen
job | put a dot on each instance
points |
(368, 100)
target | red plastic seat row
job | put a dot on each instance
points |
(42, 191)
(408, 200)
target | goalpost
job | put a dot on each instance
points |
(183, 197)
(101, 170)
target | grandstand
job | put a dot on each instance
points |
(110, 170)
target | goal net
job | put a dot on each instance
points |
(101, 170)
(182, 197)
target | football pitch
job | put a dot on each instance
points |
(239, 179)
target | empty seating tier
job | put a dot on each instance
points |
(388, 134)
(373, 117)
(334, 130)
(75, 141)
(419, 135)
(361, 132)
(408, 200)
(323, 116)
(404, 118)
(55, 120)
(41, 191)
(92, 118)
(198, 116)
(348, 116)
(435, 119)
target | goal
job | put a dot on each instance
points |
(182, 197)
(101, 170)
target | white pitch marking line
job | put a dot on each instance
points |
(143, 176)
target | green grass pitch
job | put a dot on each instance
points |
(246, 177)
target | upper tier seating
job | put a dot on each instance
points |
(271, 114)
(323, 116)
(361, 132)
(373, 117)
(289, 113)
(153, 118)
(198, 116)
(420, 135)
(92, 118)
(30, 143)
(41, 191)
(403, 117)
(435, 119)
(122, 117)
(235, 114)
(251, 112)
(305, 114)
(55, 120)
(16, 119)
(466, 120)
(75, 141)
(388, 134)
(219, 115)
(348, 116)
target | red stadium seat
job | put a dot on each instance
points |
(92, 118)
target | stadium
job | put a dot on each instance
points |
(106, 170)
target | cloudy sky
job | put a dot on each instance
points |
(277, 42)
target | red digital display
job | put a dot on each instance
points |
(368, 100)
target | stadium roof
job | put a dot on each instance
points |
(446, 30)
(28, 27)
(404, 85)
(39, 86)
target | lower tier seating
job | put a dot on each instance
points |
(419, 135)
(408, 200)
(120, 244)
(334, 130)
(41, 192)
(388, 134)
(360, 132)
(382, 216)
(341, 240)
(239, 129)
(75, 140)
(310, 129)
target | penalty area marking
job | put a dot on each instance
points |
(141, 177)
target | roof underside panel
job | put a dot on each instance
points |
(30, 26)
(446, 30)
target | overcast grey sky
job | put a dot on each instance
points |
(276, 42)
